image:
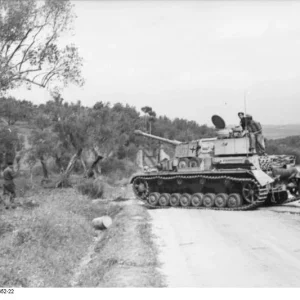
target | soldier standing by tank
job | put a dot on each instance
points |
(9, 187)
(255, 133)
(256, 138)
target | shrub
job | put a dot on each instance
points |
(92, 188)
(117, 169)
(22, 186)
(37, 170)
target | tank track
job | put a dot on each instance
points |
(263, 192)
(288, 201)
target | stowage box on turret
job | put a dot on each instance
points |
(218, 173)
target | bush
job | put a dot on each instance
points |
(22, 186)
(37, 170)
(53, 167)
(289, 146)
(92, 188)
(117, 169)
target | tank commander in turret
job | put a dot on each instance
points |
(254, 129)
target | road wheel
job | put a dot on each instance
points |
(194, 162)
(175, 200)
(197, 199)
(294, 186)
(183, 163)
(250, 192)
(185, 200)
(234, 200)
(140, 187)
(209, 200)
(221, 200)
(164, 199)
(153, 199)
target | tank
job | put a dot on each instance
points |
(218, 173)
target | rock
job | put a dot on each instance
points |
(102, 222)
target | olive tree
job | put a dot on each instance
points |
(31, 50)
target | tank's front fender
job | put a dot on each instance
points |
(262, 178)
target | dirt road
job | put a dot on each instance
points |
(229, 249)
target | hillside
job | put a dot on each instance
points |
(281, 131)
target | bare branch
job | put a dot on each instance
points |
(33, 41)
(18, 47)
(33, 82)
(4, 45)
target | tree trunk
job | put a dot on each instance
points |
(44, 166)
(18, 159)
(98, 156)
(90, 172)
(83, 165)
(62, 182)
(58, 162)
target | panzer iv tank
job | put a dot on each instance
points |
(217, 173)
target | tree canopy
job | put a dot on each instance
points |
(30, 49)
(63, 131)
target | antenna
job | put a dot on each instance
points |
(245, 108)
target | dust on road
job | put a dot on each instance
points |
(200, 248)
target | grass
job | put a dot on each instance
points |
(126, 255)
(42, 246)
(92, 188)
(45, 242)
(101, 188)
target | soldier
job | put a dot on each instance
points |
(9, 185)
(255, 133)
(256, 138)
(244, 120)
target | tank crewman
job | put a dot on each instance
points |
(244, 120)
(9, 187)
(255, 132)
(256, 138)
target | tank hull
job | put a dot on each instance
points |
(250, 188)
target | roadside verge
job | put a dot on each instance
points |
(125, 255)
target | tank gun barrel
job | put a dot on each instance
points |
(154, 137)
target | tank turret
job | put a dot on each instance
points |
(187, 154)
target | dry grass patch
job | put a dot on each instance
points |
(42, 245)
(126, 255)
(100, 188)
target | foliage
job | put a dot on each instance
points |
(181, 129)
(60, 130)
(12, 110)
(9, 144)
(117, 169)
(94, 189)
(289, 145)
(43, 143)
(30, 51)
(150, 117)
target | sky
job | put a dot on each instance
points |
(189, 59)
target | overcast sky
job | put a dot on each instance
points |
(190, 59)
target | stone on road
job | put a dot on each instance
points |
(201, 248)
